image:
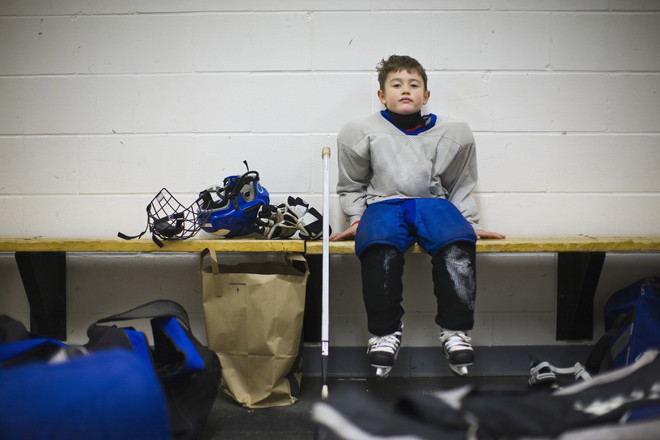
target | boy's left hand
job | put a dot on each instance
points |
(485, 234)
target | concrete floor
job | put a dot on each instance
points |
(230, 421)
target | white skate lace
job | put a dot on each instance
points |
(388, 343)
(454, 340)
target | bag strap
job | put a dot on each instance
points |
(154, 309)
(293, 257)
(172, 334)
(215, 268)
(600, 357)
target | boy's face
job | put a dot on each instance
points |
(404, 92)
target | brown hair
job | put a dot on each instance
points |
(399, 62)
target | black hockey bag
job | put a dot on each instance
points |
(621, 404)
(188, 371)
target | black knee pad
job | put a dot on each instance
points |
(382, 263)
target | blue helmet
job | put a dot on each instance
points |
(231, 210)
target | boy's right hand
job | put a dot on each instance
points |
(348, 234)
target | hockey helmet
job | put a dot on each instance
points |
(230, 210)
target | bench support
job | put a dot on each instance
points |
(577, 279)
(44, 279)
(312, 317)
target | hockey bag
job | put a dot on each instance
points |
(189, 372)
(632, 326)
(622, 404)
(50, 390)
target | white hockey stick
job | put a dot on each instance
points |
(325, 291)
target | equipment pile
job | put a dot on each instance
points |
(237, 208)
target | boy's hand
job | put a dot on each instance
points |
(485, 234)
(347, 234)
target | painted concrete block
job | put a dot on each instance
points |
(507, 41)
(604, 42)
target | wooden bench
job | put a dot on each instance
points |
(42, 265)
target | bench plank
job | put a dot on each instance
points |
(101, 244)
(550, 243)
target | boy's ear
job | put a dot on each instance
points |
(381, 96)
(427, 95)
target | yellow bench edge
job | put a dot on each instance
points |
(513, 244)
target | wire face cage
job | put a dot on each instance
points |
(170, 220)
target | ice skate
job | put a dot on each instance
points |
(458, 351)
(382, 352)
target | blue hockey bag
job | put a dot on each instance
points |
(632, 326)
(188, 371)
(50, 390)
(634, 314)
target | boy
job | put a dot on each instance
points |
(404, 177)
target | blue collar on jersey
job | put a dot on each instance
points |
(430, 122)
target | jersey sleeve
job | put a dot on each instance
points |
(460, 179)
(354, 174)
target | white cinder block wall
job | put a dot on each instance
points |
(104, 103)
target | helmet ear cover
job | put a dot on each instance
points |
(233, 186)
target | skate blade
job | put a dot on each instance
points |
(383, 372)
(460, 370)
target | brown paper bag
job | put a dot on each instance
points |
(253, 314)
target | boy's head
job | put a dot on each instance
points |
(396, 63)
(403, 85)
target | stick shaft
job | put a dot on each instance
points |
(325, 294)
(325, 274)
